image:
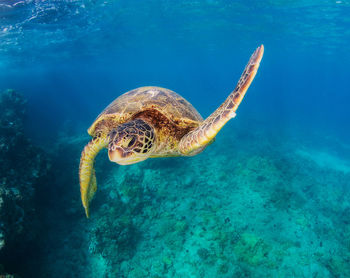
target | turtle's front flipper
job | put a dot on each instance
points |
(196, 140)
(87, 177)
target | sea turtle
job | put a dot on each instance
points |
(155, 122)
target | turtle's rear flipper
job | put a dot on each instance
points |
(196, 140)
(87, 177)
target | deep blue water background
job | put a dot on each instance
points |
(72, 58)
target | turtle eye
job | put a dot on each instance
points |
(112, 133)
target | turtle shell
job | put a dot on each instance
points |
(158, 104)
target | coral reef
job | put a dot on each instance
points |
(266, 211)
(253, 215)
(22, 169)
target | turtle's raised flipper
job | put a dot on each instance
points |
(87, 177)
(196, 140)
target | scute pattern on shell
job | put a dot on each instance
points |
(164, 100)
(167, 102)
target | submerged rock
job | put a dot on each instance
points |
(22, 168)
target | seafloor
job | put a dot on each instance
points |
(258, 202)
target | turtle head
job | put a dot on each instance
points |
(131, 142)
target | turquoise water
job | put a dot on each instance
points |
(269, 198)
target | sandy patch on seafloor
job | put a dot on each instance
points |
(325, 159)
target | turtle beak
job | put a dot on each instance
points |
(122, 157)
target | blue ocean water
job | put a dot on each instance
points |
(270, 198)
